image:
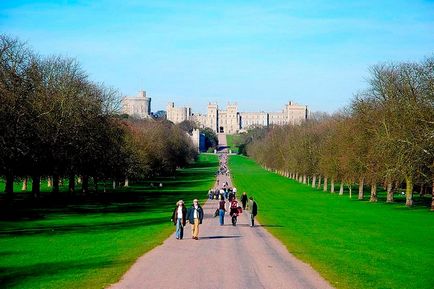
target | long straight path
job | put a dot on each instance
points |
(223, 257)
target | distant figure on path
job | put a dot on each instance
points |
(222, 210)
(244, 200)
(195, 217)
(253, 208)
(179, 218)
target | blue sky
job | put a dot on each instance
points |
(260, 54)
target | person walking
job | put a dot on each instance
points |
(222, 210)
(195, 217)
(179, 216)
(234, 211)
(244, 200)
(253, 208)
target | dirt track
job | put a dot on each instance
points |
(223, 257)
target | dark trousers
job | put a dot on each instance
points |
(252, 220)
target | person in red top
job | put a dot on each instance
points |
(234, 211)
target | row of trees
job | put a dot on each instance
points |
(55, 122)
(385, 137)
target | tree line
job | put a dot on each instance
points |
(385, 138)
(55, 122)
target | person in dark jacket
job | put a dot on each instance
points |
(179, 217)
(195, 217)
(244, 200)
(253, 208)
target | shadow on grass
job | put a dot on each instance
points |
(14, 276)
(83, 228)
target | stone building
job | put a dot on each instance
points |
(137, 106)
(232, 121)
(177, 114)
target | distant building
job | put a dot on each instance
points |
(137, 106)
(232, 121)
(177, 114)
(221, 121)
(198, 139)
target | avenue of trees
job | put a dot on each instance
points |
(385, 138)
(55, 123)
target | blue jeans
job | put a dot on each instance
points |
(179, 229)
(222, 217)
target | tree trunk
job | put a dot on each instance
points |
(432, 197)
(308, 181)
(296, 177)
(422, 191)
(36, 186)
(55, 184)
(373, 193)
(332, 188)
(24, 187)
(85, 184)
(325, 185)
(95, 184)
(389, 189)
(313, 181)
(9, 189)
(361, 191)
(341, 189)
(114, 184)
(71, 184)
(126, 183)
(319, 182)
(304, 179)
(350, 190)
(409, 191)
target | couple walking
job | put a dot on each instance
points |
(180, 216)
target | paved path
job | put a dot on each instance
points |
(223, 257)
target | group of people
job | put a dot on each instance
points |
(235, 208)
(223, 193)
(194, 214)
(227, 202)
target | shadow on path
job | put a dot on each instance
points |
(219, 237)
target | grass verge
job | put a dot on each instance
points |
(353, 244)
(92, 244)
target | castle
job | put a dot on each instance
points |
(137, 106)
(221, 121)
(232, 121)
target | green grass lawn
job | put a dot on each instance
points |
(230, 140)
(91, 244)
(354, 244)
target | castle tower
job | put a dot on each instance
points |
(232, 118)
(138, 106)
(212, 116)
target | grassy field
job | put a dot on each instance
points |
(231, 139)
(91, 244)
(354, 244)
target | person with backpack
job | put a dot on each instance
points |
(179, 217)
(234, 211)
(195, 217)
